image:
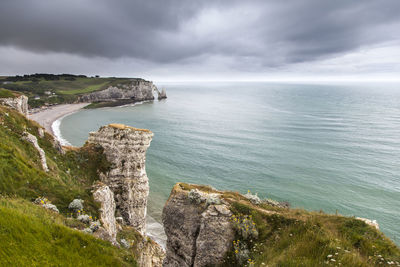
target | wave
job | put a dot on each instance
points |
(155, 231)
(55, 127)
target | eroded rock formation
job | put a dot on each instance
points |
(198, 228)
(105, 197)
(150, 254)
(33, 140)
(162, 94)
(125, 148)
(137, 90)
(19, 103)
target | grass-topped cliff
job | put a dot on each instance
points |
(58, 89)
(264, 233)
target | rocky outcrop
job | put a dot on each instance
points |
(103, 195)
(45, 203)
(125, 148)
(136, 90)
(19, 103)
(198, 228)
(150, 254)
(162, 94)
(33, 140)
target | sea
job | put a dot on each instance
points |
(331, 147)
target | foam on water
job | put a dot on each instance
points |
(155, 231)
(57, 132)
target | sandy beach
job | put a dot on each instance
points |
(46, 117)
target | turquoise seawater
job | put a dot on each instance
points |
(318, 146)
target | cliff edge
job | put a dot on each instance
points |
(208, 227)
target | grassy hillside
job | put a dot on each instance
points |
(271, 236)
(4, 93)
(33, 236)
(70, 176)
(57, 89)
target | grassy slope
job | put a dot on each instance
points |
(33, 236)
(294, 237)
(4, 93)
(66, 91)
(70, 176)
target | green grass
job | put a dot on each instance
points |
(70, 176)
(33, 236)
(4, 93)
(89, 89)
(290, 239)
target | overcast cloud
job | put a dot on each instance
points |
(178, 40)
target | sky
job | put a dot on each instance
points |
(170, 40)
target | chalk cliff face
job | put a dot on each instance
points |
(137, 90)
(19, 103)
(125, 148)
(198, 228)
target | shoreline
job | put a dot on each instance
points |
(47, 117)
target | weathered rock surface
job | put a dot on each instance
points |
(125, 148)
(41, 132)
(33, 140)
(199, 234)
(19, 103)
(105, 197)
(45, 203)
(151, 254)
(137, 90)
(162, 94)
(76, 204)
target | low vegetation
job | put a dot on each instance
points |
(4, 93)
(33, 236)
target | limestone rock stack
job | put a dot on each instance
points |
(125, 148)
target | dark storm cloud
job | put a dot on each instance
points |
(268, 33)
